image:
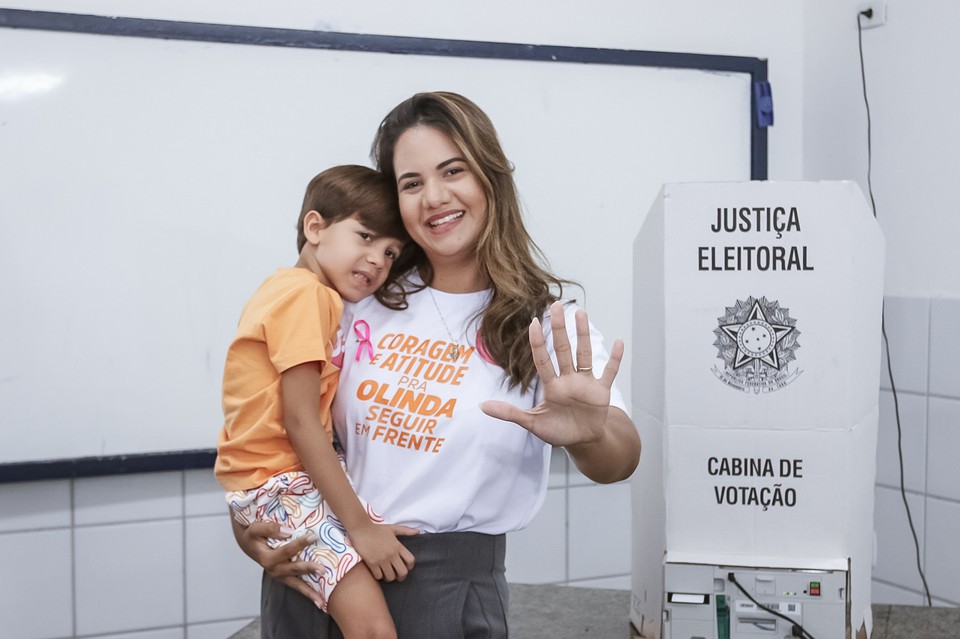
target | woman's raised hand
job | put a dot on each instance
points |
(576, 403)
(575, 412)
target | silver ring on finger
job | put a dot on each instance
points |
(584, 369)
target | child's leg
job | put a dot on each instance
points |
(358, 607)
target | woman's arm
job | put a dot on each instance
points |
(615, 456)
(278, 562)
(575, 412)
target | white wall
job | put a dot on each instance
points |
(914, 100)
(754, 28)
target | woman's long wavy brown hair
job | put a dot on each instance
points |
(523, 287)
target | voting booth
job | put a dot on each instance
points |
(756, 356)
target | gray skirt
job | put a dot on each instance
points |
(456, 590)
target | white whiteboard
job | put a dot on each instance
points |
(149, 188)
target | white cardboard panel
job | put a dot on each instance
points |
(768, 492)
(756, 341)
(819, 318)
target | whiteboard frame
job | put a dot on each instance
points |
(756, 68)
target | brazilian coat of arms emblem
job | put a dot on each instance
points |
(756, 341)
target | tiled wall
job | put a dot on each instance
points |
(924, 340)
(152, 556)
(145, 556)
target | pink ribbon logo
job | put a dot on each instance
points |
(362, 330)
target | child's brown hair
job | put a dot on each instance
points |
(351, 190)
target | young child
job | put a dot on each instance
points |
(276, 457)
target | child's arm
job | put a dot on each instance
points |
(386, 557)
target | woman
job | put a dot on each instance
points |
(448, 409)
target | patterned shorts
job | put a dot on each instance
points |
(292, 500)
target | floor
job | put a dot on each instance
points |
(560, 612)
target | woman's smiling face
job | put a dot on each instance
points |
(441, 201)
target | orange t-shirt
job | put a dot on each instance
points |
(291, 319)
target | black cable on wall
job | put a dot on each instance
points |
(883, 330)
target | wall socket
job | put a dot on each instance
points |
(878, 13)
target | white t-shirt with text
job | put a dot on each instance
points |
(418, 447)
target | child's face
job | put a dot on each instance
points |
(353, 259)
